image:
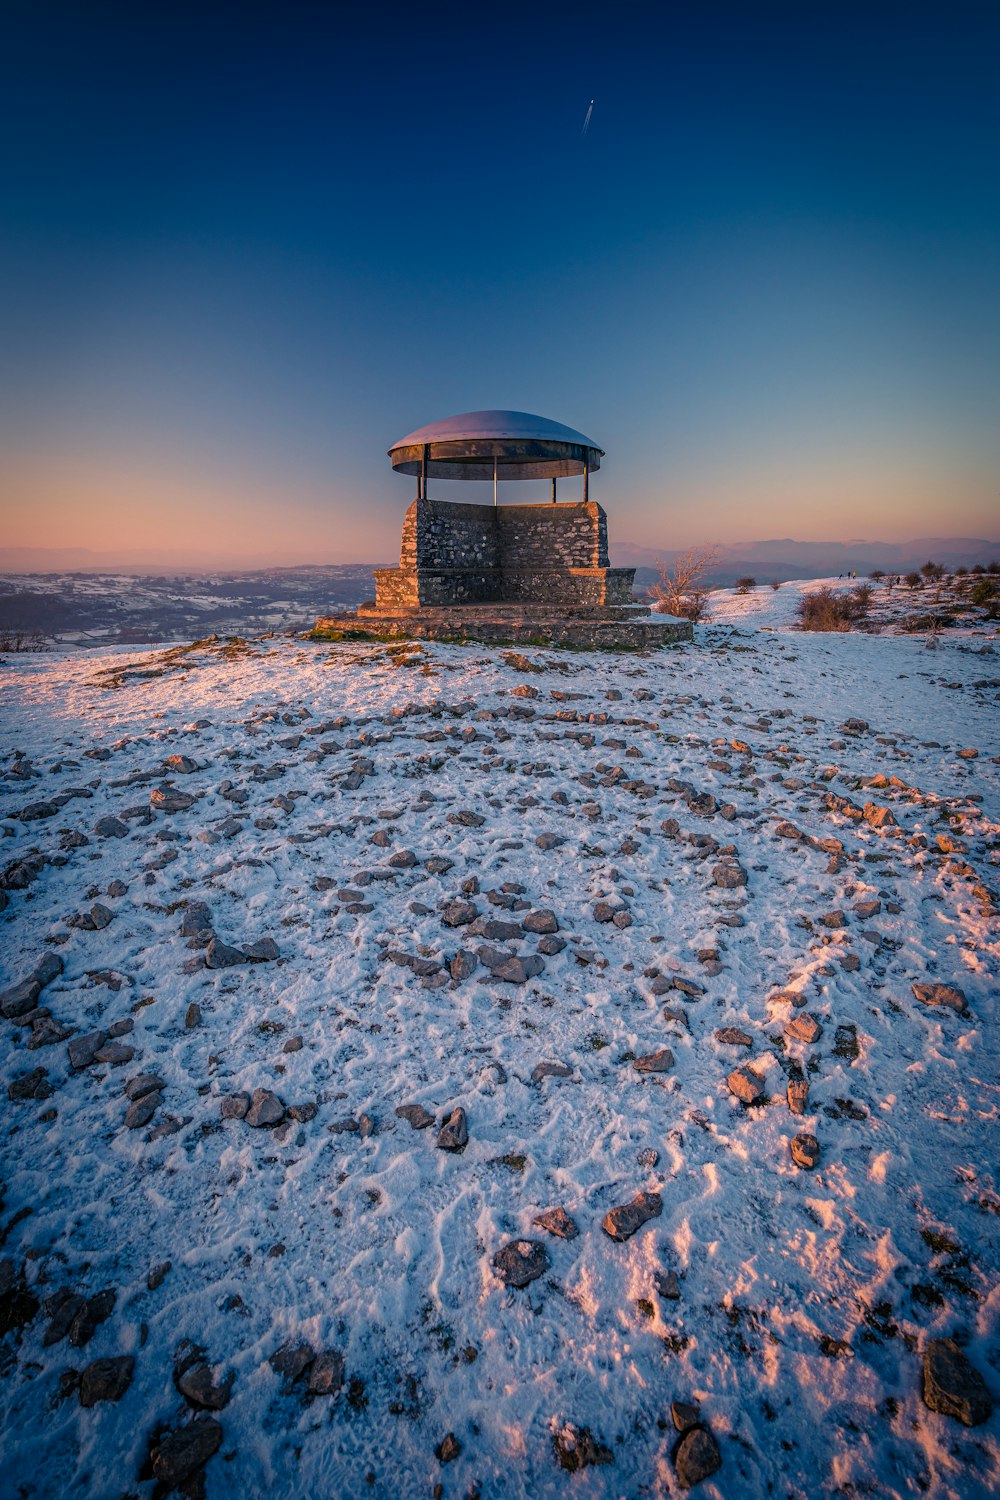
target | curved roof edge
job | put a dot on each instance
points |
(495, 424)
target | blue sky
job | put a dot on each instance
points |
(246, 248)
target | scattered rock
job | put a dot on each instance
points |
(804, 1028)
(265, 1109)
(805, 1151)
(696, 1458)
(948, 995)
(953, 1385)
(731, 1036)
(416, 1116)
(745, 1086)
(219, 955)
(110, 827)
(622, 1222)
(175, 1456)
(106, 1379)
(521, 1261)
(448, 1449)
(326, 1374)
(655, 1062)
(454, 1133)
(558, 1222)
(234, 1106)
(798, 1095)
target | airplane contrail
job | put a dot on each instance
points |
(586, 123)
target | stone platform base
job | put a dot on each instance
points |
(610, 629)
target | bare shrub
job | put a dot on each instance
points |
(863, 596)
(827, 610)
(744, 585)
(775, 584)
(22, 640)
(914, 580)
(680, 588)
(993, 567)
(877, 574)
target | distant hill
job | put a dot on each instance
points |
(786, 558)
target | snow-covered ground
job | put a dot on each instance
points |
(376, 790)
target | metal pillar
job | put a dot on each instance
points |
(422, 486)
(553, 489)
(494, 479)
(586, 480)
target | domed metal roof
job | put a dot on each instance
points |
(511, 444)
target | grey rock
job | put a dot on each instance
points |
(176, 1455)
(797, 1095)
(196, 919)
(292, 1360)
(463, 965)
(542, 921)
(327, 1373)
(655, 1062)
(62, 1307)
(157, 1275)
(622, 1222)
(546, 1069)
(948, 995)
(265, 1109)
(745, 1086)
(521, 1261)
(696, 1458)
(459, 914)
(196, 1383)
(95, 1311)
(953, 1385)
(234, 1106)
(114, 1054)
(33, 1085)
(551, 945)
(731, 1036)
(558, 1222)
(685, 1415)
(110, 827)
(804, 1028)
(106, 1379)
(263, 951)
(729, 877)
(141, 1111)
(181, 765)
(454, 1133)
(168, 800)
(415, 1115)
(37, 810)
(667, 1285)
(805, 1151)
(219, 955)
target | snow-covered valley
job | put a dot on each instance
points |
(630, 924)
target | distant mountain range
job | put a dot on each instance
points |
(785, 559)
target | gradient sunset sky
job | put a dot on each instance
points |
(245, 248)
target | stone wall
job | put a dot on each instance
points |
(443, 534)
(474, 554)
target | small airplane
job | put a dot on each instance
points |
(590, 111)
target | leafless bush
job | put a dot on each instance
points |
(22, 640)
(827, 610)
(863, 596)
(914, 580)
(877, 574)
(680, 588)
(744, 585)
(775, 584)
